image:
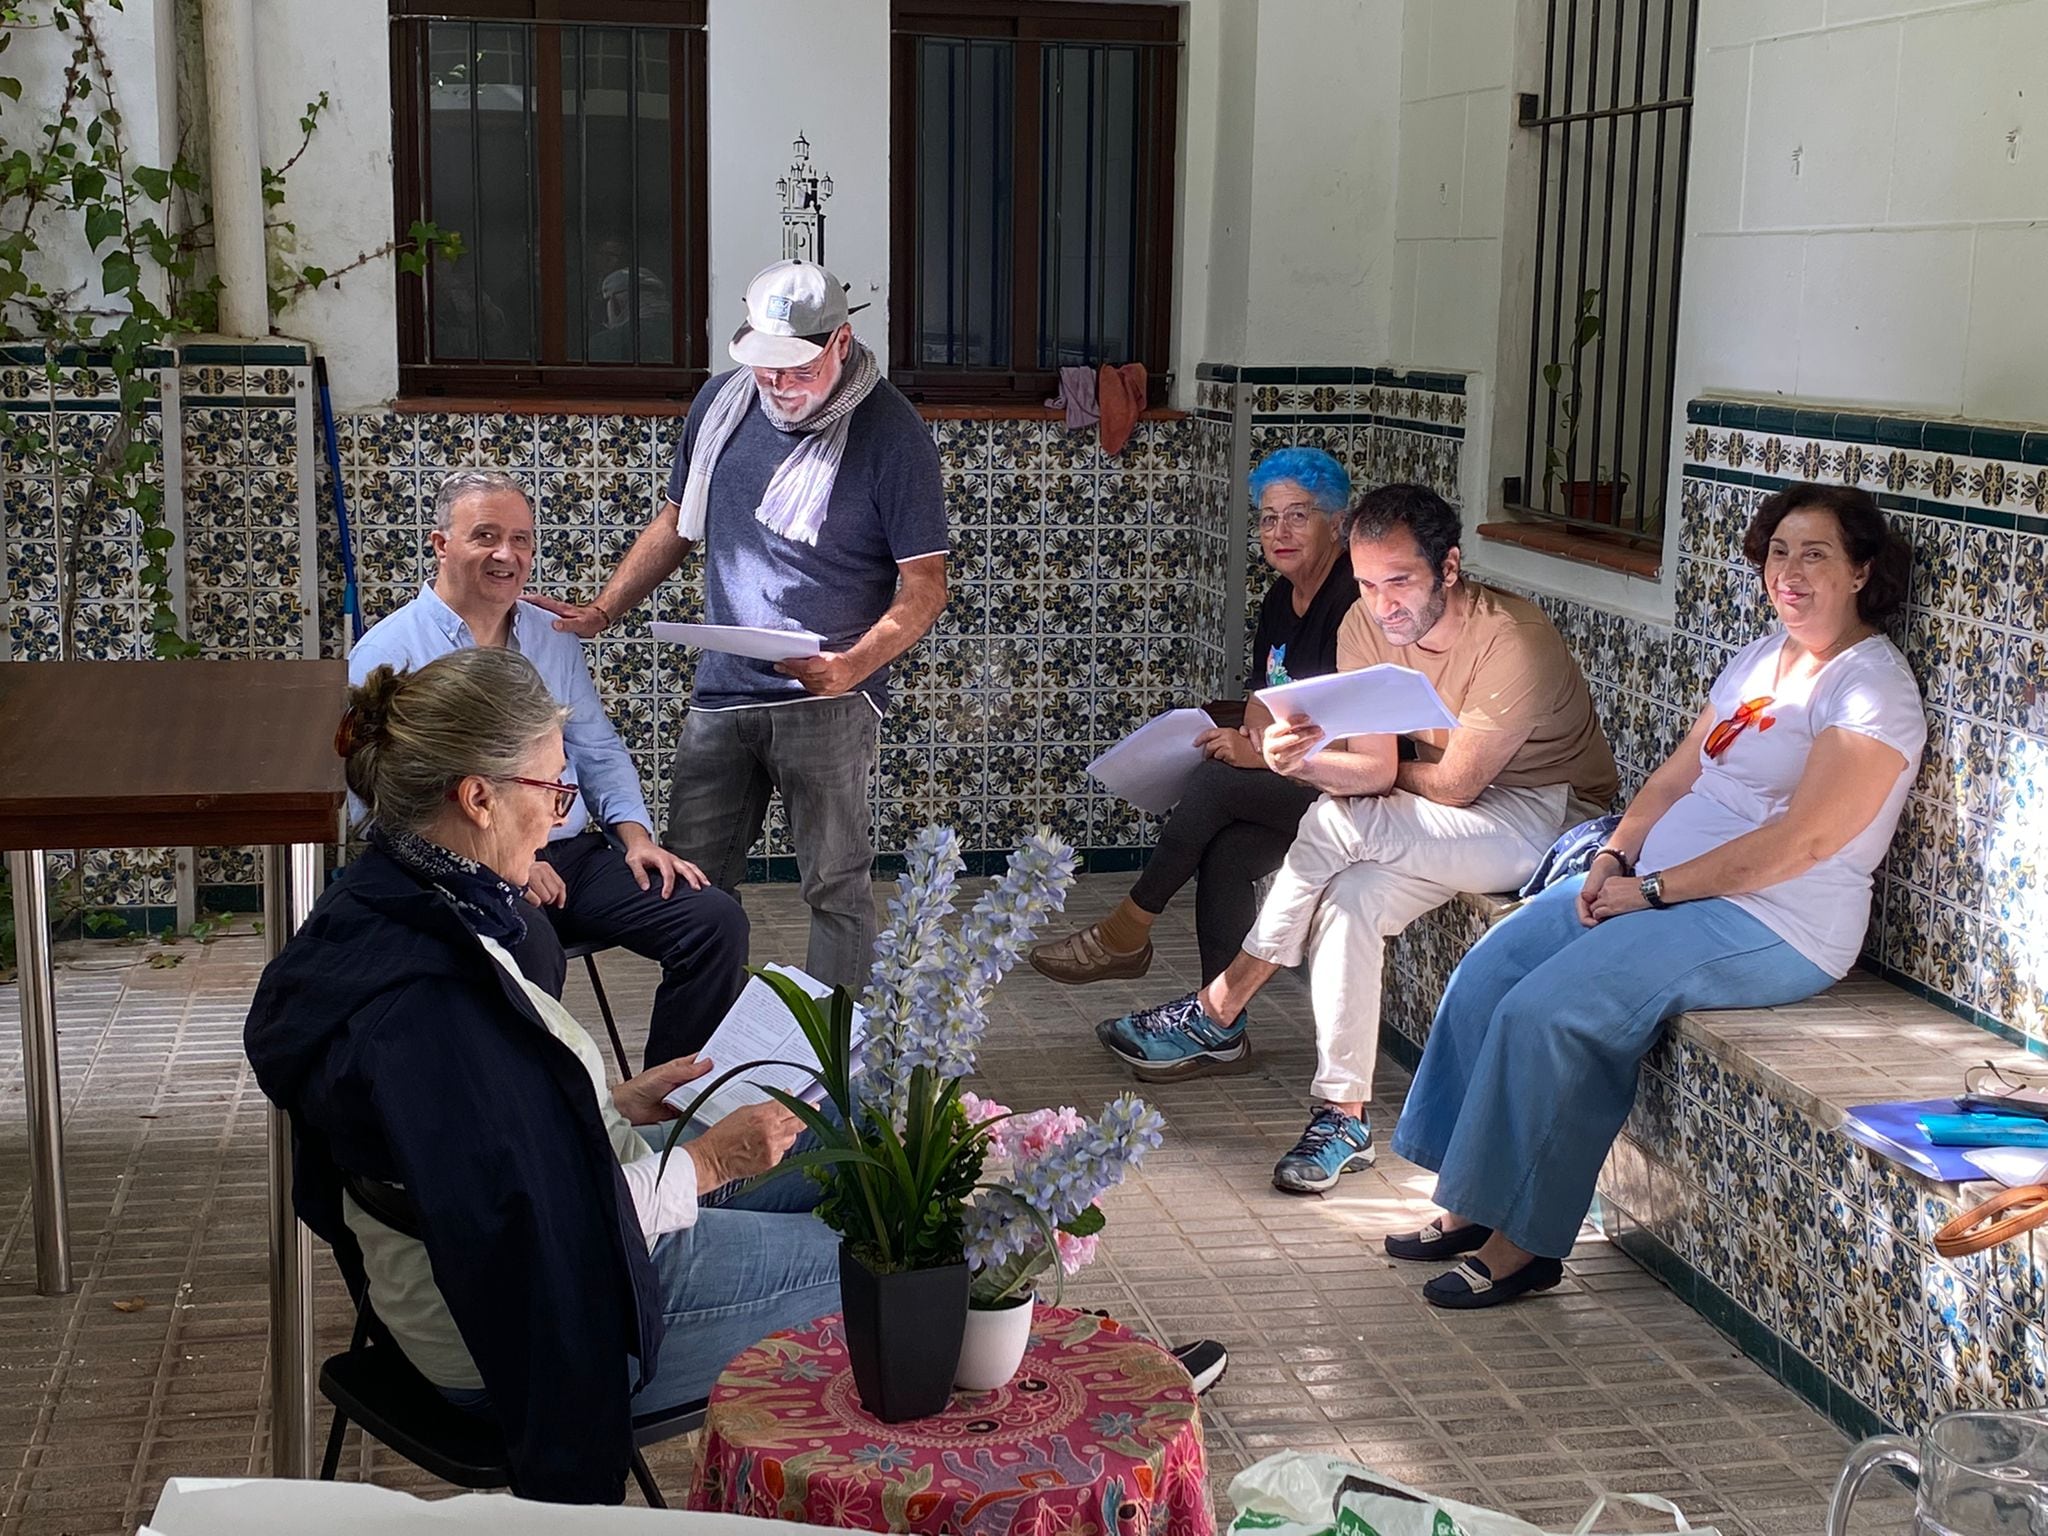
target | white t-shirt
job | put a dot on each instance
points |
(1867, 689)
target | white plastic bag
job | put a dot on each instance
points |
(1296, 1494)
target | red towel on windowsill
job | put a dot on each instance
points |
(1120, 397)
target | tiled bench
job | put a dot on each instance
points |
(1734, 1183)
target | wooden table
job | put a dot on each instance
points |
(124, 754)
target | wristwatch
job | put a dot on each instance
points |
(1652, 886)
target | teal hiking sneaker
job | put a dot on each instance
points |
(1177, 1040)
(1334, 1144)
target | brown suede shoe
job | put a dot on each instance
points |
(1081, 957)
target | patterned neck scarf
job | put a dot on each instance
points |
(486, 902)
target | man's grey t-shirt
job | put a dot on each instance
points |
(888, 504)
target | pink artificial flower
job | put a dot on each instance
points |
(1074, 1252)
(1045, 1128)
(980, 1109)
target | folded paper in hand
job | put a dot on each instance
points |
(1384, 700)
(742, 640)
(1150, 767)
(760, 1027)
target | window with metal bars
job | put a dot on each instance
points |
(1615, 123)
(1032, 199)
(564, 141)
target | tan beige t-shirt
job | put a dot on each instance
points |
(1508, 670)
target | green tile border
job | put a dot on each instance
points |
(2014, 442)
(1947, 511)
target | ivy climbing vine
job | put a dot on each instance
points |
(65, 167)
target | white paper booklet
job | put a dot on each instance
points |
(759, 1027)
(741, 640)
(1373, 701)
(1150, 767)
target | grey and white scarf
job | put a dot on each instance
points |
(800, 489)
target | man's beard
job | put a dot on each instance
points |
(1432, 609)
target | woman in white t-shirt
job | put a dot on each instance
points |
(1739, 878)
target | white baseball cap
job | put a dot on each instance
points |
(793, 309)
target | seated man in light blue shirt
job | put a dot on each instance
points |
(632, 892)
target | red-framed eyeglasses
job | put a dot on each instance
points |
(565, 794)
(1749, 712)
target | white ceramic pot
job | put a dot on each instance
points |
(993, 1346)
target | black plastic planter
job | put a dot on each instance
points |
(903, 1335)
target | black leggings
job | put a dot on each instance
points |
(1233, 827)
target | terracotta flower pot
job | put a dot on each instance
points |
(1594, 501)
(902, 1335)
(993, 1345)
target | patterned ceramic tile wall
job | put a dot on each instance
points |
(1382, 424)
(1961, 916)
(77, 409)
(1086, 593)
(1817, 1256)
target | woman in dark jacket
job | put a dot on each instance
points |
(566, 1283)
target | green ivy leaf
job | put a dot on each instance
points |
(154, 181)
(103, 222)
(119, 273)
(158, 538)
(9, 86)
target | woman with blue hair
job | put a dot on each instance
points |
(1237, 817)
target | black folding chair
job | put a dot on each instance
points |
(374, 1385)
(588, 954)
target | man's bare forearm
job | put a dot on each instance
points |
(917, 605)
(654, 557)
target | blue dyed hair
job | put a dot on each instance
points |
(1325, 480)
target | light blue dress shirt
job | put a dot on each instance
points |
(426, 627)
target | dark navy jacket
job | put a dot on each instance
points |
(403, 1052)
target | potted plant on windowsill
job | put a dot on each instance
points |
(900, 1156)
(1042, 1216)
(1588, 501)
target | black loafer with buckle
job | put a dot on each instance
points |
(1434, 1242)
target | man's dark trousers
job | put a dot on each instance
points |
(698, 938)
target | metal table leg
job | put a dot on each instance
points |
(291, 881)
(39, 1072)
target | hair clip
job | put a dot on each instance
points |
(345, 733)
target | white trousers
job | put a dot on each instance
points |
(1362, 869)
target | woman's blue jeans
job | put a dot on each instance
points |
(754, 1263)
(1531, 1064)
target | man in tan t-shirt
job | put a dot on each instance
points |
(1473, 810)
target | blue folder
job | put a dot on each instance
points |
(1893, 1131)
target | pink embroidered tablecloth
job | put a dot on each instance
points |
(1098, 1434)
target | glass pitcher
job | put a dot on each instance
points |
(1981, 1474)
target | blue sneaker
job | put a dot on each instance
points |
(1177, 1040)
(1334, 1144)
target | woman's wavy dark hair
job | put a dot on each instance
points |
(1866, 535)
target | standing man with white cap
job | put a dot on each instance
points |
(814, 487)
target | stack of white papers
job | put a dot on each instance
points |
(1150, 767)
(742, 640)
(760, 1027)
(1385, 700)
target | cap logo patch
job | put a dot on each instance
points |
(777, 306)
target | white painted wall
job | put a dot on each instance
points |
(340, 194)
(1220, 84)
(1869, 205)
(777, 67)
(38, 57)
(1325, 130)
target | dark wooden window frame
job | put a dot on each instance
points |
(556, 377)
(1157, 29)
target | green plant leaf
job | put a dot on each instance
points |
(1087, 1224)
(119, 273)
(102, 223)
(154, 181)
(1552, 373)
